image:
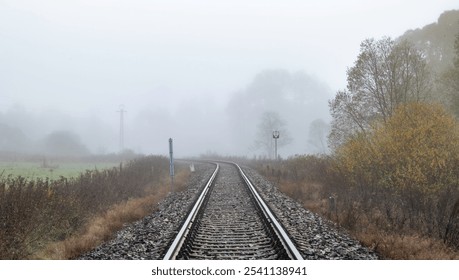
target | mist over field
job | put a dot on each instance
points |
(347, 114)
(206, 74)
(198, 124)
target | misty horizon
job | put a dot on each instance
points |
(202, 73)
(184, 123)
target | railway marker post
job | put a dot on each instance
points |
(171, 166)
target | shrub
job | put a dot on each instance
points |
(41, 211)
(407, 167)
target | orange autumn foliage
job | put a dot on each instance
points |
(417, 148)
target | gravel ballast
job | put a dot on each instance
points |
(150, 237)
(316, 238)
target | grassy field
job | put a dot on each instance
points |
(34, 170)
(81, 211)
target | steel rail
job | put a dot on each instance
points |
(181, 235)
(290, 247)
(276, 226)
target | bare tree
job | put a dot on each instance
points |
(296, 96)
(386, 74)
(271, 121)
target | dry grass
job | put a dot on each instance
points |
(101, 228)
(55, 219)
(306, 193)
(369, 226)
(406, 247)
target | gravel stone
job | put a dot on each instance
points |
(149, 238)
(316, 238)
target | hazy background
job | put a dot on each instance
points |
(202, 72)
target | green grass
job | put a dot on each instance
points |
(34, 170)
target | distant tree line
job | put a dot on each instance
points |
(57, 143)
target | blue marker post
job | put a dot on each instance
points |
(171, 168)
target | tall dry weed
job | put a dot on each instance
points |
(398, 225)
(39, 212)
(102, 227)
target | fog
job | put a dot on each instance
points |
(201, 72)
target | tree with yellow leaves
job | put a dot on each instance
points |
(386, 74)
(405, 170)
(417, 148)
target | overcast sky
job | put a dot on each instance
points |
(86, 57)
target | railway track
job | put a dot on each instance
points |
(151, 237)
(231, 221)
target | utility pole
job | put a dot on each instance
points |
(276, 135)
(121, 111)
